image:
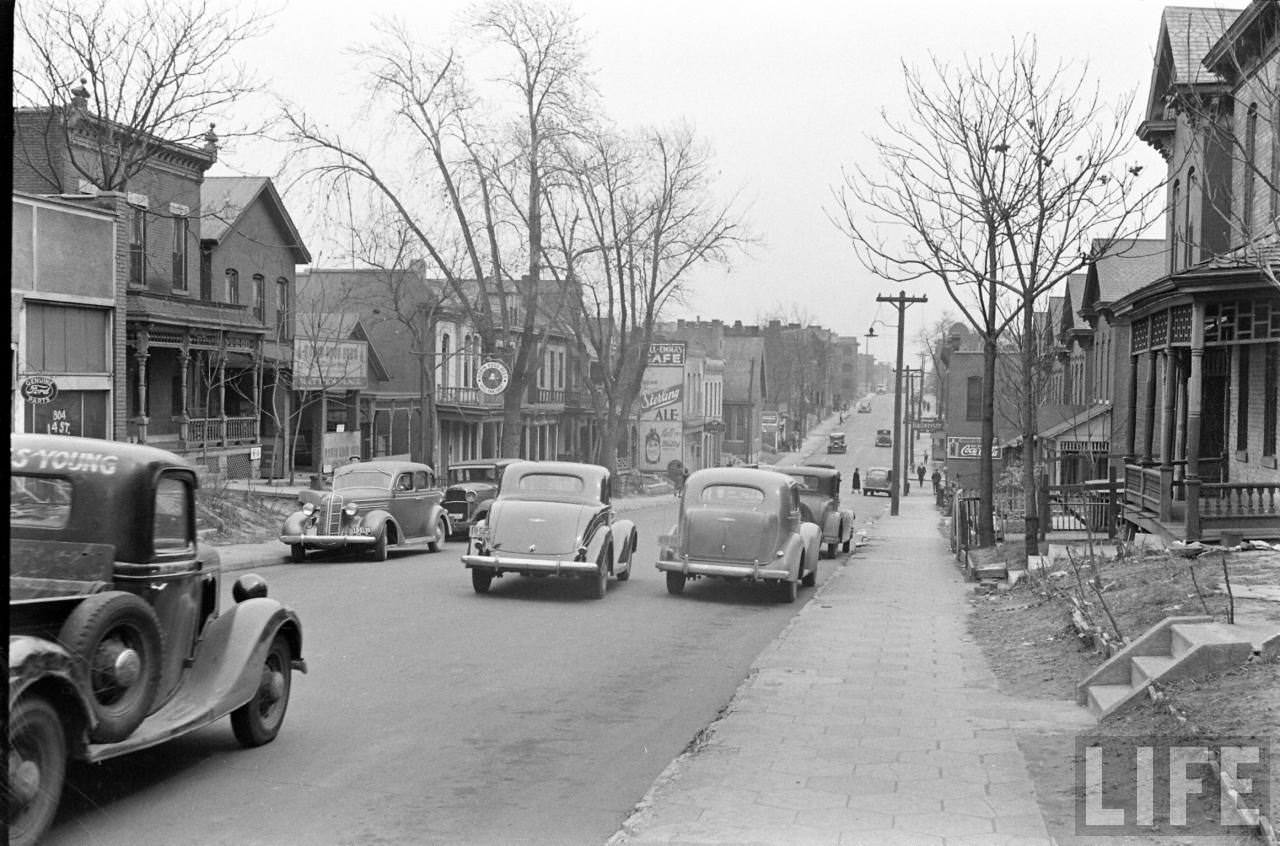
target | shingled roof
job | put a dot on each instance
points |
(1128, 265)
(224, 199)
(1191, 31)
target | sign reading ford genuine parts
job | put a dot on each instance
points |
(39, 390)
(21, 458)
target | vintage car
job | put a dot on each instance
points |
(836, 443)
(116, 639)
(820, 503)
(374, 505)
(552, 518)
(738, 523)
(879, 480)
(471, 487)
(884, 438)
(864, 407)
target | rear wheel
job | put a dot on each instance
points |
(297, 553)
(600, 581)
(630, 554)
(258, 721)
(831, 549)
(37, 769)
(117, 636)
(675, 583)
(481, 578)
(845, 546)
(442, 533)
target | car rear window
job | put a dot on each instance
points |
(458, 475)
(550, 482)
(735, 495)
(39, 502)
(172, 520)
(877, 476)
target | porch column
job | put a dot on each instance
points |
(1180, 412)
(1131, 425)
(184, 413)
(141, 354)
(1194, 399)
(1167, 434)
(222, 396)
(1149, 432)
(257, 393)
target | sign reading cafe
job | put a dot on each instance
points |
(660, 432)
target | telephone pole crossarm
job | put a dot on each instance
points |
(900, 302)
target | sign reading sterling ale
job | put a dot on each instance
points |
(659, 407)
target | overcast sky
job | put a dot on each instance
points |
(784, 92)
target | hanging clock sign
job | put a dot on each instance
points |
(39, 390)
(492, 378)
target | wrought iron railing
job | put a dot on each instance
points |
(218, 431)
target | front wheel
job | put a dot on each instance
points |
(37, 769)
(811, 578)
(442, 533)
(789, 590)
(831, 549)
(258, 721)
(297, 553)
(675, 583)
(481, 578)
(845, 546)
(380, 545)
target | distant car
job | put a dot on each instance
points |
(118, 636)
(878, 480)
(880, 389)
(471, 487)
(820, 503)
(741, 524)
(884, 438)
(864, 407)
(836, 443)
(552, 518)
(375, 506)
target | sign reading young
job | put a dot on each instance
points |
(324, 364)
(658, 409)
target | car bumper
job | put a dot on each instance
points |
(511, 564)
(751, 572)
(329, 541)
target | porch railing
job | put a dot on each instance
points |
(218, 431)
(1239, 500)
(454, 395)
(1143, 489)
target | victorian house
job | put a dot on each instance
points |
(1202, 410)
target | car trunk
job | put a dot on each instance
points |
(518, 527)
(716, 534)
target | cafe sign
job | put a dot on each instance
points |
(39, 390)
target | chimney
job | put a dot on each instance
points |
(211, 142)
(80, 97)
(737, 324)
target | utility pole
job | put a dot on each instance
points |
(899, 302)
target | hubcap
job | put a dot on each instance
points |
(24, 778)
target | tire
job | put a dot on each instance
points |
(117, 636)
(37, 769)
(258, 721)
(380, 545)
(481, 578)
(789, 590)
(845, 546)
(831, 549)
(625, 575)
(442, 534)
(810, 578)
(675, 583)
(600, 581)
(297, 553)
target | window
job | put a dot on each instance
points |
(1173, 226)
(172, 519)
(233, 286)
(973, 398)
(444, 360)
(1271, 403)
(40, 503)
(1250, 172)
(282, 307)
(1275, 161)
(67, 339)
(1188, 225)
(259, 296)
(138, 248)
(181, 230)
(420, 480)
(1242, 397)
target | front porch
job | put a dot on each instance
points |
(1180, 509)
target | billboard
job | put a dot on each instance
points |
(660, 407)
(329, 364)
(969, 448)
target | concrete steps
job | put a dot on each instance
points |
(1175, 648)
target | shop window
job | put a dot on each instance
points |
(67, 339)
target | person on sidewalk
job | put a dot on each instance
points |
(920, 475)
(937, 480)
(857, 480)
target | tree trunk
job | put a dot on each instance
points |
(986, 473)
(1031, 510)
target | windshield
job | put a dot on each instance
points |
(458, 475)
(364, 477)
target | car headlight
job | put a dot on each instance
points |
(309, 508)
(350, 509)
(471, 496)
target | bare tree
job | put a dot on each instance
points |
(638, 216)
(470, 182)
(111, 83)
(998, 184)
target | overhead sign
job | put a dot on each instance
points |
(39, 390)
(969, 448)
(659, 408)
(769, 421)
(933, 425)
(329, 364)
(492, 378)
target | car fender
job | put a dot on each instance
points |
(377, 519)
(811, 538)
(437, 511)
(831, 524)
(233, 647)
(622, 530)
(846, 521)
(37, 665)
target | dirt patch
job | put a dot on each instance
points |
(226, 516)
(1035, 651)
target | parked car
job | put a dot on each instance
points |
(116, 639)
(737, 523)
(552, 518)
(879, 480)
(836, 443)
(884, 438)
(864, 407)
(374, 505)
(820, 504)
(471, 487)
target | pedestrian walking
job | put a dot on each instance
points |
(857, 480)
(937, 480)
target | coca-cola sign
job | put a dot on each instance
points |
(968, 448)
(39, 390)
